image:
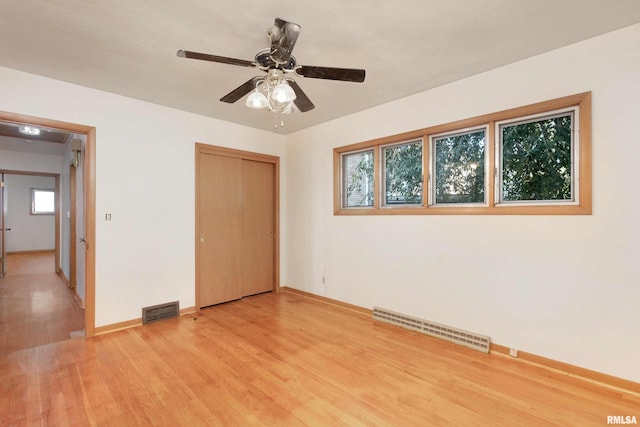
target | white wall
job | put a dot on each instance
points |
(145, 177)
(28, 232)
(564, 287)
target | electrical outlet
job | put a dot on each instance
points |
(513, 352)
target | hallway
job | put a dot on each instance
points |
(36, 306)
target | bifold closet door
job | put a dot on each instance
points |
(237, 224)
(258, 225)
(220, 197)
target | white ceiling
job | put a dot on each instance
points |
(407, 46)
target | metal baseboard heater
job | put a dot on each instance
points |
(455, 335)
(158, 312)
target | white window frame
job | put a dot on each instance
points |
(432, 166)
(575, 158)
(343, 180)
(383, 175)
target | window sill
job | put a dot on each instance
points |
(469, 210)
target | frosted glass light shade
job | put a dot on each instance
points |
(283, 93)
(257, 100)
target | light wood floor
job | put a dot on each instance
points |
(36, 306)
(285, 359)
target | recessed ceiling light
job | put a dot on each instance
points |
(29, 130)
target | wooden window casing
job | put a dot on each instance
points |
(581, 206)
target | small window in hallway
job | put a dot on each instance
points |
(42, 201)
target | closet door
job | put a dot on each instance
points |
(258, 224)
(220, 218)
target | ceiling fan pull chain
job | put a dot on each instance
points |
(277, 117)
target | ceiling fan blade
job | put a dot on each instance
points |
(283, 37)
(329, 73)
(241, 90)
(214, 58)
(303, 102)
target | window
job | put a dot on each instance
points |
(536, 159)
(42, 201)
(530, 160)
(357, 175)
(403, 173)
(458, 171)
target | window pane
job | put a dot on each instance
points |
(403, 174)
(459, 168)
(43, 201)
(536, 159)
(357, 179)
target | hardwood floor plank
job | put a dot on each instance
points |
(286, 360)
(31, 263)
(36, 306)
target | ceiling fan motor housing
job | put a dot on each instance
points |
(265, 61)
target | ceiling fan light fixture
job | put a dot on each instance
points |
(283, 93)
(257, 100)
(277, 91)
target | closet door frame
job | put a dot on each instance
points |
(205, 149)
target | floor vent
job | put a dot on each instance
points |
(160, 312)
(458, 336)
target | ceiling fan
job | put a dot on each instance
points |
(278, 90)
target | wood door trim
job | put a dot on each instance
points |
(58, 215)
(3, 247)
(240, 154)
(90, 201)
(72, 226)
(201, 149)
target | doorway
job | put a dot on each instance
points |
(237, 218)
(34, 216)
(88, 178)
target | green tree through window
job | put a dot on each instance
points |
(459, 168)
(403, 174)
(536, 159)
(358, 173)
(529, 160)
